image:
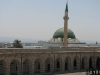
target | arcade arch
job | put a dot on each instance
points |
(48, 65)
(2, 67)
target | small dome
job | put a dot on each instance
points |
(60, 34)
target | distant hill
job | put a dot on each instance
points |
(11, 39)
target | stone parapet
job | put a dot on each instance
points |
(50, 50)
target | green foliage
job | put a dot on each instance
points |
(96, 42)
(17, 44)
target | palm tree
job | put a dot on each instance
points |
(17, 44)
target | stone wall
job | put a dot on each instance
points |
(47, 60)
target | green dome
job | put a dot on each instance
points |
(60, 34)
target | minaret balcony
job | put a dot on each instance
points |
(65, 17)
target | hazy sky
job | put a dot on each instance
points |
(39, 19)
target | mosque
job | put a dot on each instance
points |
(62, 56)
(63, 36)
(58, 39)
(59, 36)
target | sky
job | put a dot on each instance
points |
(39, 19)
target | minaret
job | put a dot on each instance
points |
(65, 25)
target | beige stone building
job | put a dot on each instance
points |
(20, 61)
(31, 61)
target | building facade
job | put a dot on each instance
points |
(32, 61)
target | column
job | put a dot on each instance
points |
(78, 65)
(63, 66)
(32, 68)
(42, 68)
(71, 65)
(8, 69)
(87, 63)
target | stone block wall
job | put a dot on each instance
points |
(55, 58)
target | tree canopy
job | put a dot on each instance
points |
(17, 44)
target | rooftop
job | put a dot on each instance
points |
(49, 50)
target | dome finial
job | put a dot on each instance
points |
(66, 10)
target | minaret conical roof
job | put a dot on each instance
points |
(66, 10)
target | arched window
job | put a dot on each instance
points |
(48, 65)
(75, 63)
(2, 67)
(98, 63)
(26, 67)
(58, 63)
(90, 63)
(83, 63)
(37, 66)
(67, 63)
(62, 40)
(14, 68)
